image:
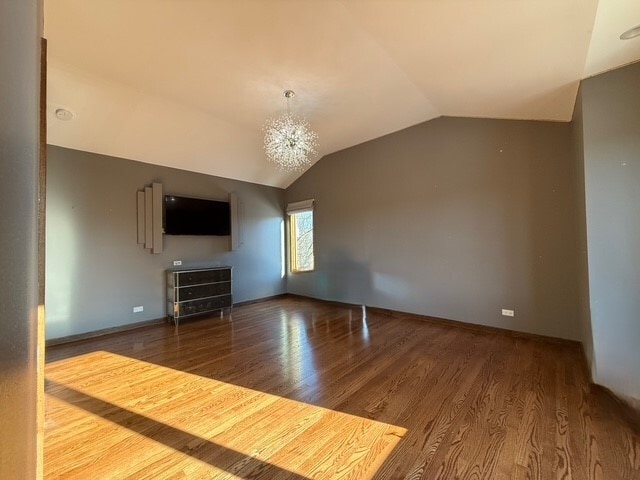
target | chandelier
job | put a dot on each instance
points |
(289, 141)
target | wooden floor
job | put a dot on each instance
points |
(294, 388)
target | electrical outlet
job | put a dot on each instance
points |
(177, 263)
(507, 313)
(138, 309)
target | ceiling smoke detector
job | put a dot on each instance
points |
(631, 33)
(64, 114)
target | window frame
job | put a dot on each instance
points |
(292, 226)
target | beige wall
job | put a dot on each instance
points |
(454, 218)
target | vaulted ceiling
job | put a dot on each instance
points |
(190, 83)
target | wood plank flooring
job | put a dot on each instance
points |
(296, 388)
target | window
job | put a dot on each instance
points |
(301, 241)
(301, 235)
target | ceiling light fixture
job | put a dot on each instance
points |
(631, 33)
(289, 141)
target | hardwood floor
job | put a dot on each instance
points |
(295, 388)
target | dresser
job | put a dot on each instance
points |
(198, 291)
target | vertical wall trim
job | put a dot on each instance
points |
(234, 240)
(42, 224)
(140, 217)
(148, 218)
(157, 217)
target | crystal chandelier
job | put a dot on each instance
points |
(289, 141)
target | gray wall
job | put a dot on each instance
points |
(96, 271)
(582, 280)
(20, 30)
(454, 218)
(611, 116)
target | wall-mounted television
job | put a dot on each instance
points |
(195, 216)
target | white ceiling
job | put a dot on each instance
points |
(189, 83)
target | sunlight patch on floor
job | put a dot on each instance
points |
(112, 416)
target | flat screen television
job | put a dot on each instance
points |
(195, 216)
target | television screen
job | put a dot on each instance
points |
(195, 216)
